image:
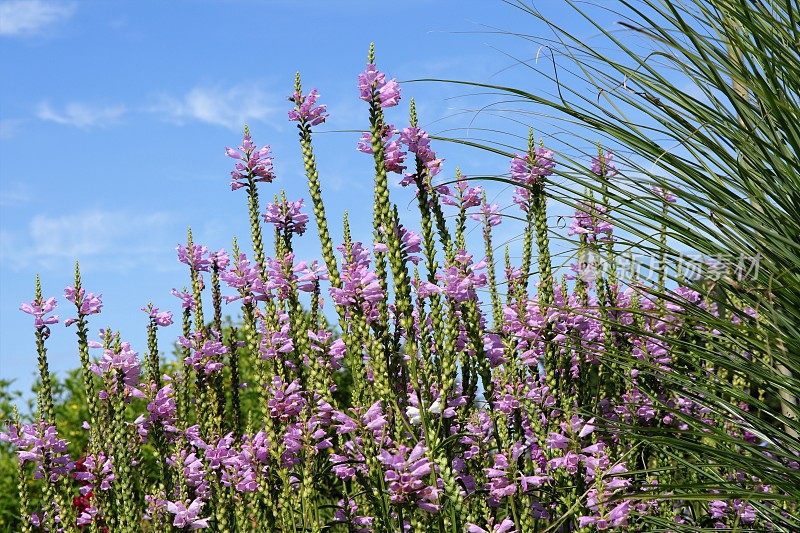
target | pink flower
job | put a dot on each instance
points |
(604, 165)
(286, 401)
(460, 280)
(490, 212)
(464, 196)
(87, 303)
(162, 319)
(309, 275)
(406, 473)
(588, 220)
(410, 244)
(419, 143)
(245, 278)
(187, 300)
(506, 526)
(529, 170)
(665, 194)
(255, 165)
(196, 256)
(205, 354)
(276, 342)
(39, 308)
(40, 444)
(287, 216)
(360, 286)
(373, 80)
(392, 151)
(187, 517)
(305, 111)
(114, 364)
(220, 260)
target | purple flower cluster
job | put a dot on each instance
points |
(119, 369)
(505, 526)
(491, 212)
(205, 353)
(195, 256)
(286, 400)
(187, 514)
(96, 472)
(603, 165)
(665, 194)
(373, 81)
(590, 220)
(162, 409)
(276, 340)
(407, 474)
(460, 280)
(161, 318)
(347, 513)
(287, 216)
(491, 418)
(39, 443)
(86, 303)
(245, 278)
(360, 286)
(463, 196)
(392, 148)
(529, 171)
(310, 275)
(419, 143)
(306, 110)
(255, 165)
(281, 276)
(39, 308)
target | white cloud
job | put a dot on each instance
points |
(112, 240)
(228, 107)
(80, 115)
(26, 17)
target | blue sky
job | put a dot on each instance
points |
(114, 116)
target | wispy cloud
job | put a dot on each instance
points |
(112, 240)
(227, 107)
(80, 115)
(14, 194)
(29, 17)
(8, 127)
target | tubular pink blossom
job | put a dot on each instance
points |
(373, 80)
(255, 164)
(306, 111)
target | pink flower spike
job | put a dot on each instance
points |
(195, 256)
(392, 150)
(256, 164)
(87, 303)
(162, 319)
(604, 165)
(287, 216)
(665, 194)
(40, 308)
(491, 212)
(187, 300)
(374, 80)
(305, 111)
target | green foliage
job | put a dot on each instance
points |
(9, 507)
(701, 98)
